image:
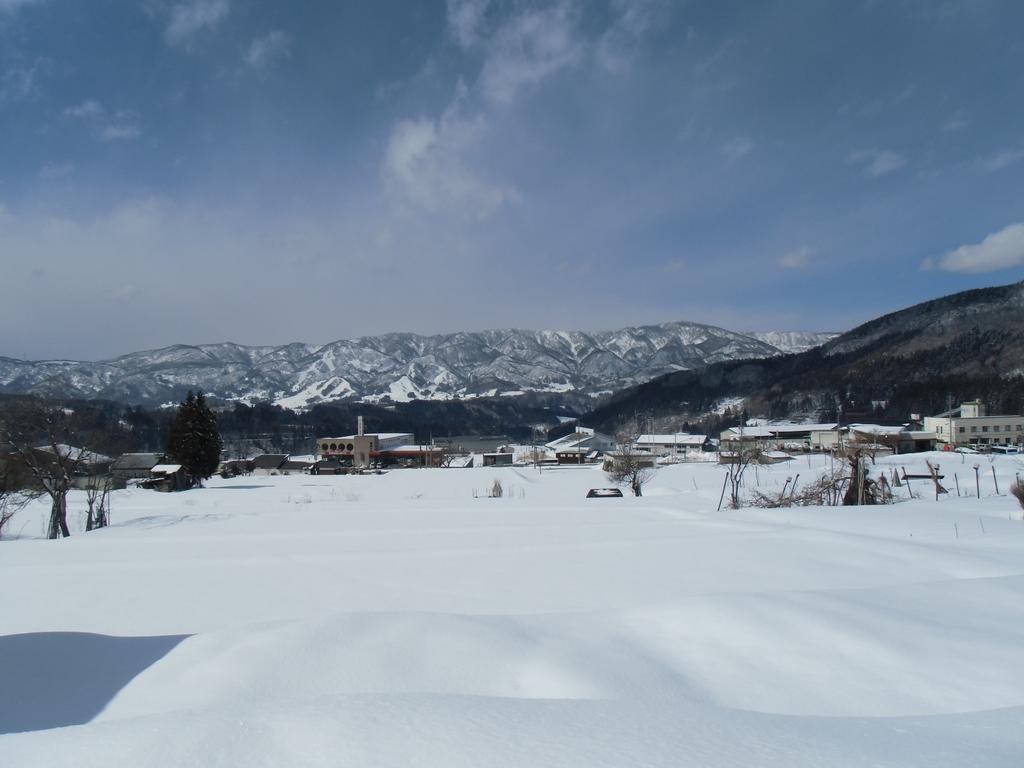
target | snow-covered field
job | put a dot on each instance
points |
(408, 620)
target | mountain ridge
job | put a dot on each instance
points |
(396, 366)
(961, 346)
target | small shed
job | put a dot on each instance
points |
(268, 463)
(295, 467)
(167, 477)
(497, 459)
(133, 466)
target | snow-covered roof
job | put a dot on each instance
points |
(882, 429)
(378, 435)
(781, 430)
(166, 469)
(127, 461)
(269, 460)
(80, 455)
(877, 429)
(681, 438)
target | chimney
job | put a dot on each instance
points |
(359, 430)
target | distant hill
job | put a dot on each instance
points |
(966, 345)
(400, 367)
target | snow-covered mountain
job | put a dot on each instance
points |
(399, 366)
(792, 342)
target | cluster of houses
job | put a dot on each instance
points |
(968, 427)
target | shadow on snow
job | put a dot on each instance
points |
(54, 679)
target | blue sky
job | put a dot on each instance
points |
(264, 172)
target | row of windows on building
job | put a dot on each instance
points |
(995, 428)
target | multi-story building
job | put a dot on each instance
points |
(387, 448)
(970, 424)
(679, 445)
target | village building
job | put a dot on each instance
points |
(498, 459)
(581, 447)
(970, 424)
(785, 437)
(268, 463)
(133, 466)
(366, 449)
(894, 439)
(167, 478)
(679, 445)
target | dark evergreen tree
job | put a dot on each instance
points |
(194, 440)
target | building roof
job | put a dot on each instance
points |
(296, 464)
(680, 438)
(577, 438)
(166, 469)
(144, 461)
(781, 430)
(877, 429)
(76, 454)
(378, 435)
(269, 460)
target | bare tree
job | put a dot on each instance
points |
(1017, 491)
(40, 438)
(628, 466)
(741, 458)
(13, 494)
(97, 497)
(863, 489)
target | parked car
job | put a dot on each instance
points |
(600, 493)
(965, 449)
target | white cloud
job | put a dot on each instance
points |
(634, 18)
(1000, 250)
(877, 162)
(189, 19)
(425, 163)
(265, 50)
(20, 82)
(87, 109)
(738, 148)
(52, 171)
(429, 162)
(466, 20)
(1003, 159)
(121, 125)
(9, 6)
(124, 124)
(797, 258)
(956, 123)
(529, 48)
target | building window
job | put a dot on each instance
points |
(984, 429)
(995, 428)
(961, 429)
(973, 430)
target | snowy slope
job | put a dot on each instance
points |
(398, 620)
(397, 365)
(792, 341)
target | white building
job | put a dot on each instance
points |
(784, 436)
(679, 445)
(970, 424)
